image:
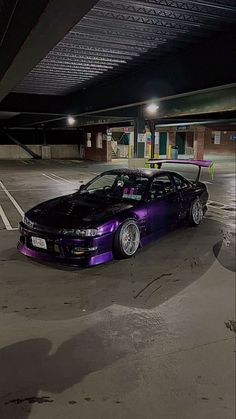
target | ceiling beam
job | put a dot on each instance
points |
(52, 24)
(194, 8)
(33, 104)
(208, 64)
(214, 5)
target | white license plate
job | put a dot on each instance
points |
(38, 242)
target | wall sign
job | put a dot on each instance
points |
(183, 127)
(99, 138)
(232, 137)
(216, 136)
(141, 138)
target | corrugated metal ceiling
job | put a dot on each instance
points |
(119, 36)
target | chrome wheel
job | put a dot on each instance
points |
(130, 238)
(197, 212)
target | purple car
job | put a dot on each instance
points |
(112, 216)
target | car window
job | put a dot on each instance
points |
(180, 182)
(134, 189)
(121, 186)
(102, 182)
(160, 187)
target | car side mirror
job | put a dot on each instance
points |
(82, 187)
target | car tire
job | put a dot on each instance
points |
(127, 240)
(196, 213)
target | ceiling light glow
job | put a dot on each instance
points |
(152, 108)
(71, 120)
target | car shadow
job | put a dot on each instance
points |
(29, 367)
(224, 250)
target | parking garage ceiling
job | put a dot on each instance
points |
(118, 35)
(107, 41)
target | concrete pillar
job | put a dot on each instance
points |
(139, 130)
(131, 144)
(45, 139)
(199, 142)
(152, 130)
(46, 152)
(157, 143)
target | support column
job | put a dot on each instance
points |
(139, 130)
(152, 130)
(199, 143)
(45, 140)
(46, 149)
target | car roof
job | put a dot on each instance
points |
(150, 173)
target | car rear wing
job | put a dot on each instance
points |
(200, 163)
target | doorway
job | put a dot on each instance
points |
(180, 142)
(163, 143)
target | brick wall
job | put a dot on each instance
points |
(226, 146)
(94, 153)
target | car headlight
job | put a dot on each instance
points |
(91, 232)
(27, 221)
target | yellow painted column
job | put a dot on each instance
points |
(169, 151)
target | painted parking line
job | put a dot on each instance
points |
(14, 202)
(29, 189)
(215, 204)
(51, 178)
(62, 178)
(4, 218)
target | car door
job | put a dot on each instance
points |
(163, 202)
(184, 188)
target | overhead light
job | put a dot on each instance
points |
(71, 120)
(152, 108)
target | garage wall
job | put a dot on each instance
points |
(16, 152)
(226, 147)
(68, 151)
(36, 136)
(64, 151)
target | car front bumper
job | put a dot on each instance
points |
(83, 252)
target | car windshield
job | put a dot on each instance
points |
(119, 186)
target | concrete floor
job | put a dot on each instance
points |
(146, 338)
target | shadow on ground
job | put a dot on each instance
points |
(27, 368)
(224, 251)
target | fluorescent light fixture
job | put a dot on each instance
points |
(71, 120)
(152, 108)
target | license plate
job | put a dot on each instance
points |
(38, 242)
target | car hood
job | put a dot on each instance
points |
(74, 211)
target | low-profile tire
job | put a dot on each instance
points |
(126, 240)
(196, 213)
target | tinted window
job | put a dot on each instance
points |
(122, 186)
(180, 182)
(106, 181)
(160, 187)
